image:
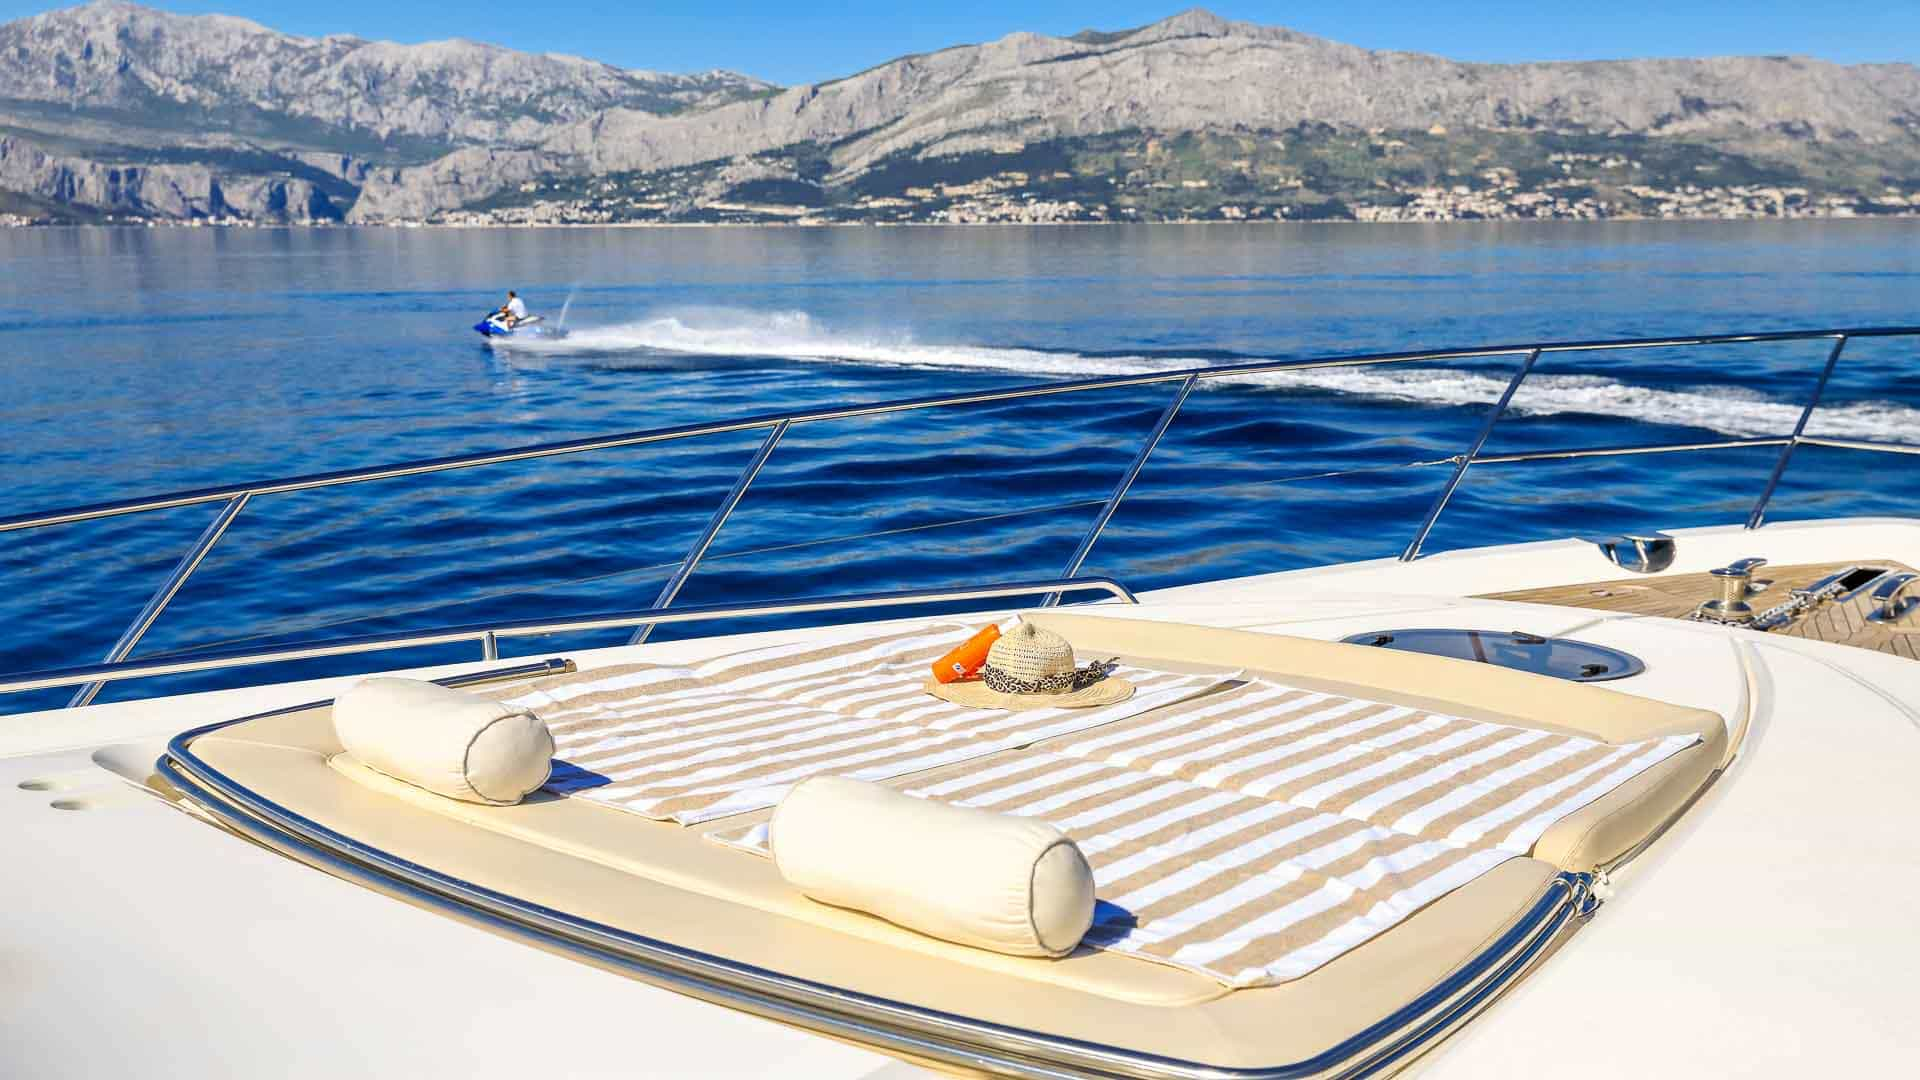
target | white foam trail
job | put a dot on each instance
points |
(788, 335)
(796, 335)
(1729, 410)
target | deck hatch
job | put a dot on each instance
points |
(1561, 658)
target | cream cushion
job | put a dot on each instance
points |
(446, 741)
(993, 881)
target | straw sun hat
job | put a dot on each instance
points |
(1031, 668)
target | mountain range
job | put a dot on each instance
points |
(116, 111)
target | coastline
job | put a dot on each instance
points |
(1898, 216)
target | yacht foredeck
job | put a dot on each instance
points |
(644, 897)
(666, 897)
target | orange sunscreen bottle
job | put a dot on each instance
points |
(962, 662)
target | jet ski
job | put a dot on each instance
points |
(495, 325)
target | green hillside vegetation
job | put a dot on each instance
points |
(1311, 172)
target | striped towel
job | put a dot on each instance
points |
(1415, 772)
(1255, 833)
(1244, 890)
(879, 675)
(733, 734)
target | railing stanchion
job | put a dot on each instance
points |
(1465, 460)
(164, 595)
(1759, 512)
(1126, 482)
(679, 579)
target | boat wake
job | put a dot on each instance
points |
(1729, 410)
(795, 335)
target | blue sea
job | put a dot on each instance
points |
(141, 361)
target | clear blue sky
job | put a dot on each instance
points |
(790, 41)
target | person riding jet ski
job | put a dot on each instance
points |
(512, 320)
(514, 311)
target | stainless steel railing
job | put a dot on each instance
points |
(236, 498)
(488, 635)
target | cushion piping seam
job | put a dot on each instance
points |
(1033, 872)
(466, 764)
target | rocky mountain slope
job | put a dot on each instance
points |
(188, 111)
(1192, 72)
(1191, 116)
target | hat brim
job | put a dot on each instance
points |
(975, 693)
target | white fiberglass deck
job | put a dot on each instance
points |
(1763, 934)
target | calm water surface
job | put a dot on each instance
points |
(141, 361)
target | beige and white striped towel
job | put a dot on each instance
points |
(1258, 832)
(1244, 890)
(879, 676)
(1415, 772)
(735, 733)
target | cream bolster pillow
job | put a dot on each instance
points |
(993, 881)
(449, 742)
